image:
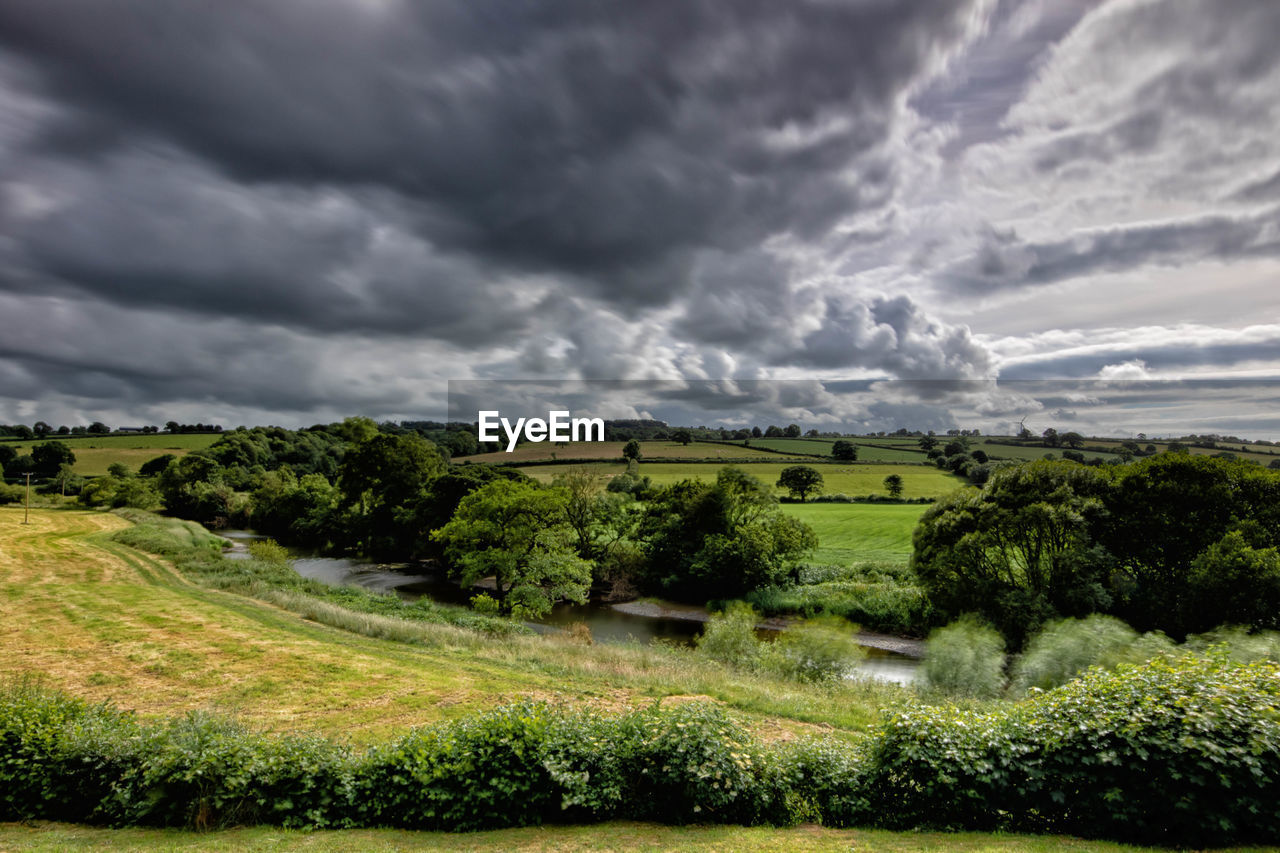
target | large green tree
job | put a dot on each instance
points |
(800, 480)
(381, 479)
(721, 540)
(518, 534)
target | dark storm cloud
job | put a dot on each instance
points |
(605, 142)
(1004, 262)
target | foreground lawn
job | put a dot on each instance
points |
(610, 836)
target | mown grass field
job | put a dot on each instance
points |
(919, 481)
(540, 451)
(854, 533)
(95, 453)
(55, 838)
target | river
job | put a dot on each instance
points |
(609, 623)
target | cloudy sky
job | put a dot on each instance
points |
(286, 212)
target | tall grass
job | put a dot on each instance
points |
(966, 658)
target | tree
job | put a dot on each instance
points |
(927, 443)
(773, 432)
(99, 428)
(683, 436)
(1019, 552)
(792, 431)
(153, 467)
(893, 483)
(1072, 439)
(845, 451)
(380, 480)
(800, 480)
(517, 533)
(631, 451)
(704, 541)
(1051, 437)
(42, 429)
(756, 433)
(47, 458)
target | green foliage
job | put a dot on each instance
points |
(893, 485)
(703, 541)
(1064, 649)
(844, 451)
(1020, 551)
(381, 478)
(966, 658)
(1232, 581)
(730, 637)
(1183, 752)
(800, 480)
(48, 457)
(631, 451)
(269, 551)
(518, 533)
(878, 596)
(824, 648)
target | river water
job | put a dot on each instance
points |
(608, 624)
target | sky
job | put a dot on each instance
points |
(289, 212)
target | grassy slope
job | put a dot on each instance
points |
(109, 623)
(95, 453)
(610, 836)
(850, 479)
(850, 533)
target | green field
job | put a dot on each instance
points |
(542, 450)
(95, 453)
(856, 533)
(919, 481)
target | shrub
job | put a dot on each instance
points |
(478, 773)
(1183, 751)
(966, 658)
(1064, 649)
(269, 551)
(824, 648)
(730, 637)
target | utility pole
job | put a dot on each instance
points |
(26, 516)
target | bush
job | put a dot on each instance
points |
(730, 637)
(966, 658)
(269, 551)
(1182, 752)
(824, 648)
(1064, 649)
(1179, 751)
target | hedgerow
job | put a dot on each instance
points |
(1183, 751)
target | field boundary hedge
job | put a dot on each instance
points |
(1177, 751)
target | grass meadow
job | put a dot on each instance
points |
(95, 453)
(855, 533)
